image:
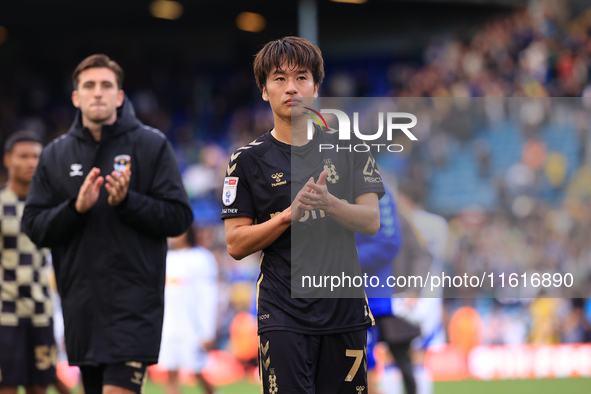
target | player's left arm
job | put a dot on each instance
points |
(48, 221)
(362, 217)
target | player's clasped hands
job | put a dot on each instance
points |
(314, 195)
(317, 195)
(117, 186)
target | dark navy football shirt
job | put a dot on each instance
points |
(259, 185)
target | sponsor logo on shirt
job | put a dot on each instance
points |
(369, 170)
(277, 177)
(370, 167)
(369, 179)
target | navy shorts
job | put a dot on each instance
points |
(130, 375)
(292, 363)
(28, 355)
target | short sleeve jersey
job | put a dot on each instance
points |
(261, 181)
(24, 287)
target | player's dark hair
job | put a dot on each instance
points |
(413, 190)
(21, 136)
(295, 51)
(95, 61)
(192, 236)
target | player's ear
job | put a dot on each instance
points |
(75, 99)
(120, 97)
(316, 90)
(265, 94)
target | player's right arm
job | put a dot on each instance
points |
(243, 238)
(47, 221)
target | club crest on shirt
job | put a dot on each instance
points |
(120, 162)
(229, 191)
(333, 175)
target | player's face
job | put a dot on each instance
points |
(289, 89)
(22, 161)
(97, 95)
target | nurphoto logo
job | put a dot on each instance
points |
(345, 129)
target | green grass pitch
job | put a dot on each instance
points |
(541, 386)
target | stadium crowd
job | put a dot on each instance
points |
(535, 52)
(529, 53)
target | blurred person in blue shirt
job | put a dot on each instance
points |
(376, 256)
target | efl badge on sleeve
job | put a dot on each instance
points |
(229, 192)
(121, 162)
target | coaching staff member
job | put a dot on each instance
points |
(108, 242)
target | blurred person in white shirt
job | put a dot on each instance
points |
(427, 310)
(190, 310)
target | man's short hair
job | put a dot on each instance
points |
(21, 136)
(192, 235)
(295, 51)
(413, 190)
(95, 61)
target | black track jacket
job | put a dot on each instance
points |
(109, 262)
